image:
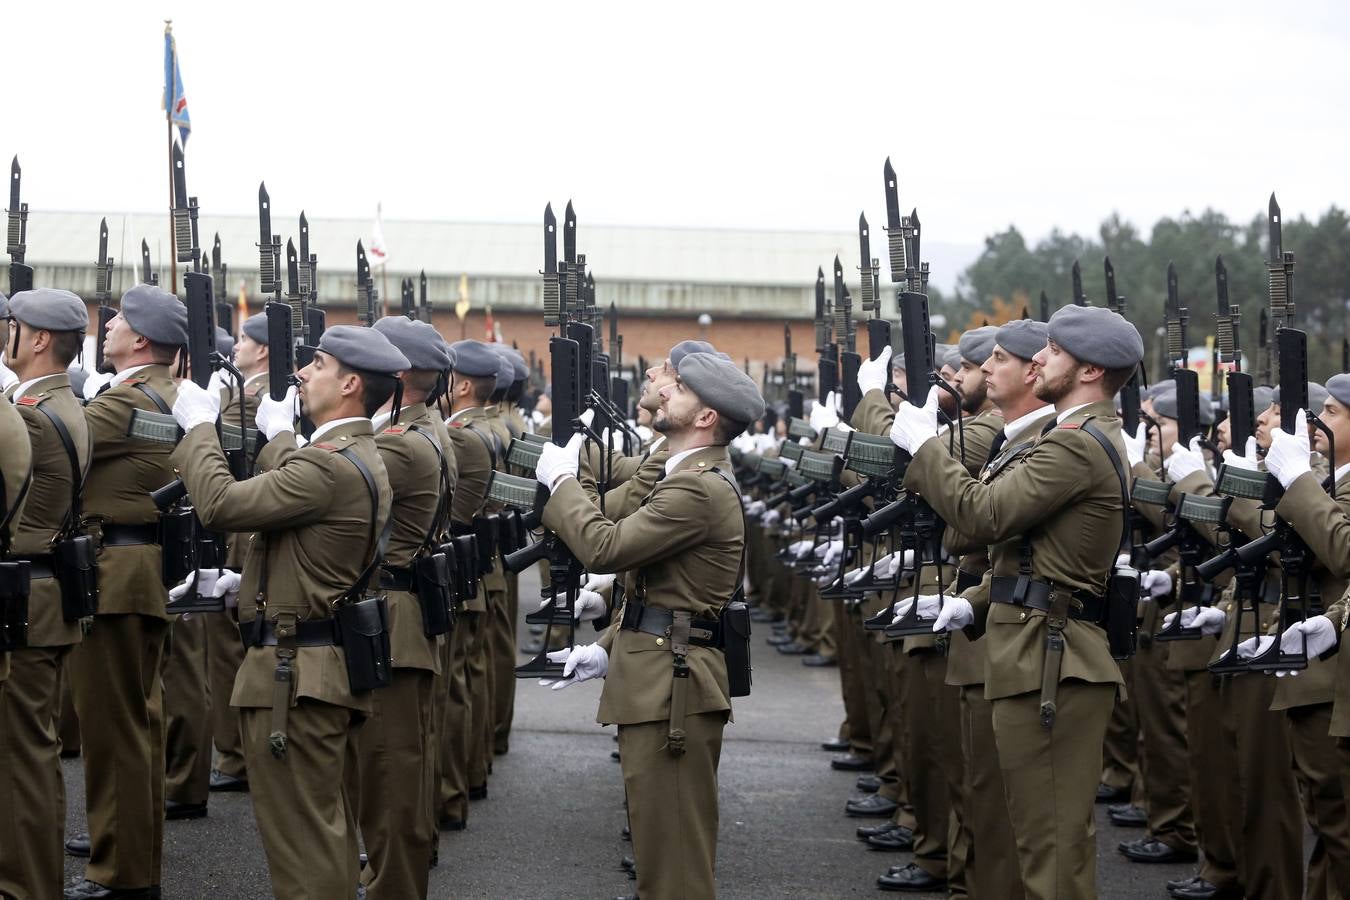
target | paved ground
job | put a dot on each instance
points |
(550, 826)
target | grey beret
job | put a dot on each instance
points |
(684, 348)
(948, 355)
(1317, 395)
(418, 341)
(1023, 338)
(4, 306)
(506, 373)
(976, 345)
(1262, 396)
(897, 362)
(721, 385)
(1165, 404)
(255, 326)
(473, 358)
(364, 349)
(1096, 335)
(155, 314)
(1156, 389)
(1338, 386)
(50, 310)
(224, 342)
(520, 370)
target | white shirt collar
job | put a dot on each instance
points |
(1341, 472)
(1068, 412)
(454, 416)
(254, 379)
(1015, 428)
(677, 458)
(23, 388)
(329, 426)
(656, 444)
(127, 373)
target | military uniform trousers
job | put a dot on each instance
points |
(392, 773)
(224, 656)
(1159, 697)
(1050, 778)
(1216, 808)
(32, 792)
(1120, 751)
(855, 681)
(504, 665)
(300, 802)
(116, 680)
(1319, 770)
(925, 781)
(991, 861)
(480, 686)
(455, 729)
(187, 710)
(946, 742)
(672, 806)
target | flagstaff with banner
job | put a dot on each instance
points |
(175, 113)
(378, 254)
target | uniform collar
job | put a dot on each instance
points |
(42, 383)
(406, 416)
(123, 375)
(472, 412)
(1099, 408)
(1017, 426)
(1342, 471)
(352, 426)
(699, 457)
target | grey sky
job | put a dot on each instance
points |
(761, 115)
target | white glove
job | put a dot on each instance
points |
(210, 583)
(275, 416)
(556, 462)
(598, 583)
(1208, 619)
(1245, 460)
(873, 373)
(587, 417)
(915, 425)
(755, 508)
(8, 377)
(1135, 444)
(956, 612)
(1155, 583)
(770, 518)
(1289, 455)
(580, 663)
(195, 406)
(823, 415)
(824, 550)
(1123, 560)
(94, 383)
(889, 564)
(1183, 461)
(589, 605)
(1319, 630)
(216, 383)
(833, 552)
(800, 549)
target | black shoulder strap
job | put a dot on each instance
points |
(77, 474)
(745, 534)
(1120, 473)
(11, 511)
(487, 444)
(443, 504)
(155, 398)
(359, 588)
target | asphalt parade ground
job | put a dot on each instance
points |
(550, 826)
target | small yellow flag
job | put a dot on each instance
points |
(462, 307)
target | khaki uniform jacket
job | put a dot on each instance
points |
(254, 388)
(117, 491)
(414, 471)
(873, 414)
(472, 441)
(49, 498)
(311, 508)
(685, 543)
(16, 463)
(1064, 494)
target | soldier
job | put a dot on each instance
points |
(685, 548)
(1053, 520)
(46, 330)
(224, 652)
(319, 511)
(16, 469)
(116, 672)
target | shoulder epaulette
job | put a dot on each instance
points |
(31, 401)
(331, 448)
(456, 424)
(1071, 425)
(395, 429)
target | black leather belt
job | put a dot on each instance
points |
(655, 621)
(128, 535)
(320, 633)
(966, 580)
(396, 579)
(1036, 595)
(39, 565)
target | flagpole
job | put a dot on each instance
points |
(168, 118)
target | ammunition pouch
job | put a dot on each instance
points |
(735, 618)
(15, 580)
(431, 581)
(178, 544)
(75, 565)
(363, 628)
(1120, 617)
(466, 566)
(485, 531)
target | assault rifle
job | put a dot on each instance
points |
(846, 331)
(16, 236)
(103, 294)
(827, 366)
(1280, 281)
(1130, 404)
(795, 401)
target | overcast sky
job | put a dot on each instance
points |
(725, 114)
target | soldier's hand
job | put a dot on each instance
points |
(754, 508)
(195, 406)
(588, 606)
(580, 663)
(95, 383)
(599, 582)
(275, 416)
(1183, 461)
(800, 549)
(1208, 619)
(915, 425)
(556, 463)
(824, 415)
(1320, 633)
(1154, 584)
(227, 587)
(1290, 455)
(770, 518)
(1135, 444)
(1245, 460)
(947, 613)
(873, 373)
(1254, 646)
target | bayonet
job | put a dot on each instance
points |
(868, 302)
(1263, 369)
(570, 269)
(269, 276)
(423, 304)
(1045, 307)
(409, 298)
(895, 226)
(1114, 301)
(1228, 318)
(182, 226)
(294, 297)
(918, 271)
(1079, 298)
(306, 274)
(1176, 321)
(843, 310)
(103, 294)
(1280, 279)
(365, 296)
(16, 242)
(552, 293)
(147, 276)
(822, 335)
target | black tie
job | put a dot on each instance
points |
(1050, 426)
(999, 440)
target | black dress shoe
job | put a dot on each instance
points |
(627, 833)
(899, 838)
(173, 810)
(627, 864)
(1127, 816)
(92, 890)
(435, 858)
(911, 878)
(866, 831)
(873, 805)
(793, 649)
(614, 755)
(851, 763)
(835, 745)
(478, 793)
(228, 783)
(776, 639)
(868, 784)
(1108, 794)
(816, 661)
(78, 846)
(1198, 888)
(1152, 850)
(450, 823)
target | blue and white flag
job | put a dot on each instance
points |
(175, 102)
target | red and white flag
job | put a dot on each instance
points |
(378, 252)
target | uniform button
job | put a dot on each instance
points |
(660, 641)
(1021, 617)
